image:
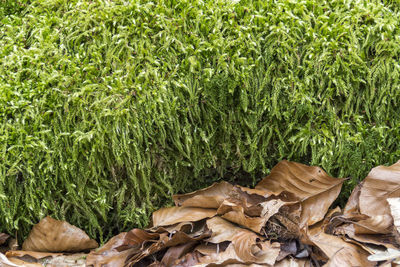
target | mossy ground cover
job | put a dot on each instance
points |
(109, 107)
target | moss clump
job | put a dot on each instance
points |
(109, 107)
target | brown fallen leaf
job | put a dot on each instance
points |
(131, 247)
(173, 254)
(253, 223)
(174, 215)
(210, 197)
(188, 260)
(263, 253)
(183, 226)
(314, 188)
(350, 230)
(48, 259)
(367, 216)
(250, 204)
(222, 230)
(293, 262)
(111, 253)
(394, 204)
(339, 252)
(380, 184)
(51, 235)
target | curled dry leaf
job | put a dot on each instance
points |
(174, 215)
(367, 214)
(173, 254)
(394, 204)
(6, 262)
(380, 184)
(210, 197)
(253, 223)
(293, 262)
(48, 259)
(51, 235)
(389, 254)
(339, 252)
(313, 187)
(116, 251)
(222, 230)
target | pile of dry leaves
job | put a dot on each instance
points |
(285, 220)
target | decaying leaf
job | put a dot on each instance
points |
(284, 221)
(173, 254)
(174, 215)
(339, 252)
(293, 262)
(380, 184)
(48, 259)
(394, 204)
(313, 187)
(51, 235)
(389, 254)
(367, 215)
(210, 197)
(222, 230)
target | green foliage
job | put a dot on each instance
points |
(109, 107)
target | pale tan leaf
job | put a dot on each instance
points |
(174, 215)
(389, 254)
(380, 184)
(394, 204)
(210, 197)
(293, 262)
(4, 261)
(253, 223)
(51, 235)
(222, 230)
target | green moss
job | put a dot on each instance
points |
(109, 107)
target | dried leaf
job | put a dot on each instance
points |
(51, 235)
(287, 248)
(376, 239)
(183, 226)
(389, 254)
(190, 259)
(293, 262)
(314, 188)
(175, 253)
(222, 230)
(352, 206)
(6, 262)
(394, 204)
(253, 223)
(48, 259)
(264, 253)
(380, 184)
(116, 251)
(210, 197)
(174, 215)
(339, 252)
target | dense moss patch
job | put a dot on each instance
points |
(109, 107)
